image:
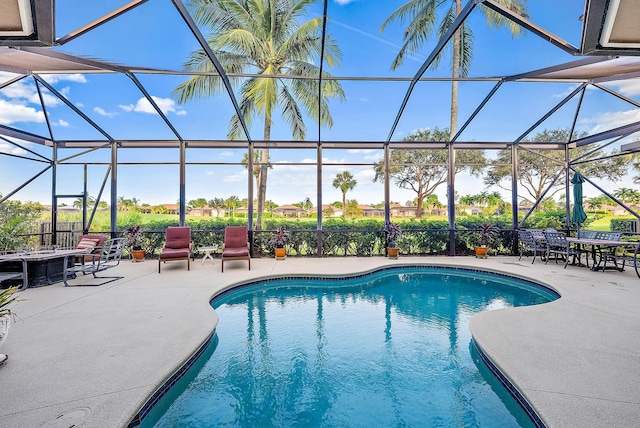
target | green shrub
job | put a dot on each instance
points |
(623, 225)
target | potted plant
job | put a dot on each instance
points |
(488, 232)
(279, 239)
(393, 233)
(6, 298)
(133, 243)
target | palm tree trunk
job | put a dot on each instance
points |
(264, 167)
(419, 203)
(344, 204)
(453, 124)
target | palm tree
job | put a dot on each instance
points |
(217, 204)
(270, 206)
(257, 166)
(231, 203)
(627, 195)
(307, 205)
(264, 37)
(345, 182)
(423, 16)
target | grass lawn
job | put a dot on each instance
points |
(601, 224)
(604, 223)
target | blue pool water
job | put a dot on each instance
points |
(392, 348)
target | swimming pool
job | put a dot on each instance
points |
(388, 348)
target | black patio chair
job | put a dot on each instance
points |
(623, 254)
(557, 244)
(530, 244)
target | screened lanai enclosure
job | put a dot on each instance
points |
(391, 108)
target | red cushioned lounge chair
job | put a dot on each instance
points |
(177, 245)
(236, 245)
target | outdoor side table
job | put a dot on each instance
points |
(207, 252)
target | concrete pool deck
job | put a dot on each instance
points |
(95, 354)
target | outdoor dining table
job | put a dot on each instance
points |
(600, 244)
(43, 267)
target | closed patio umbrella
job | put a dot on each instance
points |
(578, 216)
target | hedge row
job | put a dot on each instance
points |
(341, 236)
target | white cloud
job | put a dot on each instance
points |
(13, 112)
(61, 123)
(25, 91)
(368, 154)
(628, 88)
(11, 149)
(610, 120)
(566, 92)
(366, 175)
(343, 2)
(55, 78)
(103, 112)
(166, 105)
(5, 76)
(236, 178)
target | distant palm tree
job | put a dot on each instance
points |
(264, 37)
(345, 182)
(231, 203)
(307, 205)
(423, 15)
(217, 204)
(627, 195)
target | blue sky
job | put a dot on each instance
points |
(153, 35)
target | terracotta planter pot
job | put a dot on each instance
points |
(481, 252)
(138, 255)
(393, 252)
(281, 253)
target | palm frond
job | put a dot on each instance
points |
(303, 43)
(291, 114)
(494, 19)
(201, 86)
(417, 33)
(408, 11)
(263, 92)
(241, 42)
(466, 50)
(248, 111)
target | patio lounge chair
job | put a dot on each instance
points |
(10, 274)
(529, 243)
(109, 257)
(236, 245)
(177, 245)
(557, 244)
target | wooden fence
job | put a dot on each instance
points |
(67, 236)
